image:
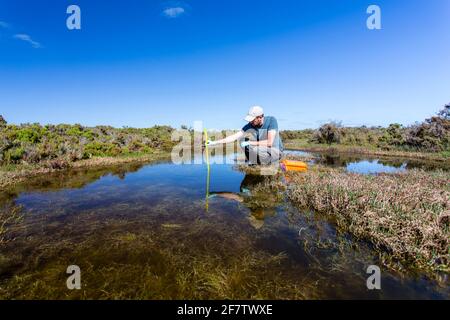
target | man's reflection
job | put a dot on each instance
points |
(260, 203)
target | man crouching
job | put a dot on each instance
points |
(260, 138)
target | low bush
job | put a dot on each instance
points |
(34, 143)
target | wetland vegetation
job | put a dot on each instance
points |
(109, 201)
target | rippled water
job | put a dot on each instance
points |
(143, 231)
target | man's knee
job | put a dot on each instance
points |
(251, 154)
(262, 155)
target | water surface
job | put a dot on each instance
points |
(367, 164)
(143, 231)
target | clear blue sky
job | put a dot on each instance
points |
(145, 62)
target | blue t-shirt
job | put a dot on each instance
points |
(260, 134)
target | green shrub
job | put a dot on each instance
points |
(100, 149)
(14, 155)
(328, 133)
(31, 134)
(306, 134)
(431, 135)
(33, 143)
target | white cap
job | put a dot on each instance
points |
(254, 112)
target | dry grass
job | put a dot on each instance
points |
(405, 214)
(296, 157)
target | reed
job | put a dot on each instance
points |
(405, 214)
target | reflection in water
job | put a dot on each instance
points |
(143, 232)
(374, 166)
(261, 205)
(371, 164)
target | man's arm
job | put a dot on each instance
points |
(229, 139)
(266, 143)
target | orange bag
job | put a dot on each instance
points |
(291, 165)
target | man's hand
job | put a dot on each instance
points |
(210, 143)
(244, 144)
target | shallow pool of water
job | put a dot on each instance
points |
(147, 231)
(365, 164)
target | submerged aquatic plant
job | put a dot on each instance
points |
(162, 245)
(200, 263)
(10, 215)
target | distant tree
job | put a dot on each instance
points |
(395, 134)
(2, 121)
(445, 113)
(328, 133)
(433, 134)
